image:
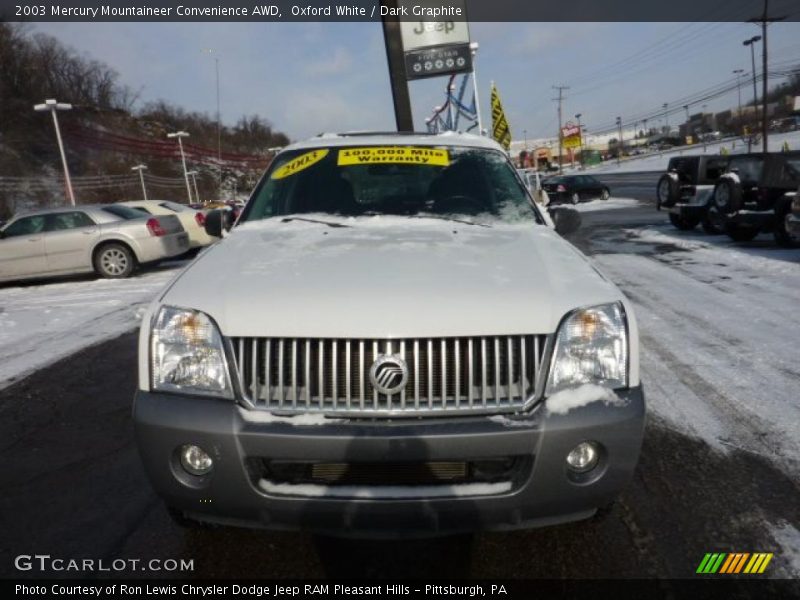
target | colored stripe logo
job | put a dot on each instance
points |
(734, 563)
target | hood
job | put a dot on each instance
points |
(383, 277)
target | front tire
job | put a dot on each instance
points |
(605, 194)
(114, 261)
(668, 191)
(781, 233)
(682, 222)
(741, 233)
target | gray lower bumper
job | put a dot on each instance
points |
(543, 494)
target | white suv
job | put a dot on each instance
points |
(392, 340)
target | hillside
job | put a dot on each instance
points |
(105, 135)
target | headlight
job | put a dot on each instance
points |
(591, 347)
(187, 355)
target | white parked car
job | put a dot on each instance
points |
(392, 341)
(109, 239)
(193, 221)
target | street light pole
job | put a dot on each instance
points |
(211, 51)
(703, 125)
(580, 139)
(751, 43)
(180, 135)
(738, 73)
(141, 169)
(194, 181)
(621, 146)
(53, 106)
(666, 117)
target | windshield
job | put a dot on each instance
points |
(471, 184)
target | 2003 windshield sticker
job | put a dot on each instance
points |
(393, 154)
(299, 163)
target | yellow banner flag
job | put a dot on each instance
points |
(500, 130)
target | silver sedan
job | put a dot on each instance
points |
(108, 239)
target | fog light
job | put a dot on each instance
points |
(583, 457)
(195, 460)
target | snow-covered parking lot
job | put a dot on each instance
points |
(44, 321)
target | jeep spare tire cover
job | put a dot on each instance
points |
(728, 195)
(668, 190)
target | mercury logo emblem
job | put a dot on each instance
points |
(389, 373)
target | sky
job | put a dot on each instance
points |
(306, 78)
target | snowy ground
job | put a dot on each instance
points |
(43, 322)
(611, 203)
(719, 332)
(659, 161)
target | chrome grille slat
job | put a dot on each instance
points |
(483, 371)
(294, 373)
(334, 377)
(281, 390)
(457, 371)
(470, 375)
(510, 363)
(348, 394)
(307, 377)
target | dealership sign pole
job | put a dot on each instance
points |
(424, 48)
(394, 56)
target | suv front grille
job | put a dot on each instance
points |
(490, 374)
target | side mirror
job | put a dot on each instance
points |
(566, 220)
(218, 220)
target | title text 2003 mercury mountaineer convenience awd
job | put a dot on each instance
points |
(392, 340)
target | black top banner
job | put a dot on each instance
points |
(407, 10)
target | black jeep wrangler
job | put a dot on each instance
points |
(756, 193)
(687, 188)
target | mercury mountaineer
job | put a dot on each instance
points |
(385, 346)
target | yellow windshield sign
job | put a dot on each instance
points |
(406, 155)
(299, 163)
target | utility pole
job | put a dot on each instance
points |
(180, 135)
(560, 99)
(141, 169)
(764, 20)
(397, 78)
(620, 146)
(666, 117)
(751, 42)
(53, 106)
(580, 133)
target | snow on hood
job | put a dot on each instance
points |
(389, 277)
(564, 401)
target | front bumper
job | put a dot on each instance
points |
(544, 493)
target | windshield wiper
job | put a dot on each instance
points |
(451, 219)
(328, 223)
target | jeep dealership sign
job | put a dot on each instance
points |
(436, 47)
